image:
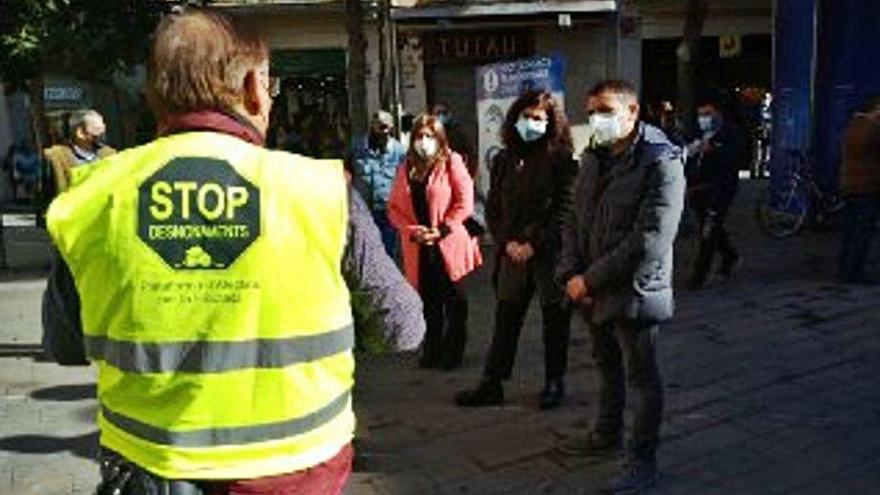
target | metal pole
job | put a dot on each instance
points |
(3, 265)
(382, 25)
(397, 109)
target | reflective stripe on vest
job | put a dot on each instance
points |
(213, 304)
(218, 437)
(214, 357)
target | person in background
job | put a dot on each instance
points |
(85, 144)
(617, 265)
(373, 161)
(720, 153)
(860, 185)
(431, 199)
(225, 359)
(24, 168)
(8, 159)
(530, 180)
(406, 124)
(763, 136)
(458, 141)
(668, 123)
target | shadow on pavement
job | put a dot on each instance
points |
(25, 274)
(85, 446)
(34, 351)
(66, 393)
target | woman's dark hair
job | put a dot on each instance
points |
(558, 136)
(871, 105)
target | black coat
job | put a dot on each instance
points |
(526, 195)
(716, 176)
(620, 231)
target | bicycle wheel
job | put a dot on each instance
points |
(827, 214)
(782, 216)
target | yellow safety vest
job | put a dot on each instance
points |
(213, 303)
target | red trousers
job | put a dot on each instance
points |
(328, 478)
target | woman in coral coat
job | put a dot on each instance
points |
(432, 196)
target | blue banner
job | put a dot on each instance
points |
(498, 86)
(848, 74)
(792, 90)
(511, 79)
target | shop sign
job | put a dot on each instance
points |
(477, 46)
(729, 46)
(63, 94)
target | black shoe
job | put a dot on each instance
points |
(637, 477)
(695, 282)
(488, 393)
(429, 363)
(593, 444)
(730, 269)
(451, 364)
(552, 395)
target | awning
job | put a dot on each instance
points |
(277, 6)
(318, 62)
(428, 9)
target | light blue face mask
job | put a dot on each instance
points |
(530, 129)
(707, 123)
(606, 128)
(445, 118)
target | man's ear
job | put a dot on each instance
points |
(251, 97)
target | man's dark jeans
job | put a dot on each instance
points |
(628, 346)
(389, 233)
(515, 287)
(859, 224)
(713, 238)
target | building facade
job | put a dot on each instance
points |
(441, 44)
(735, 49)
(308, 41)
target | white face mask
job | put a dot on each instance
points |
(531, 129)
(605, 127)
(426, 147)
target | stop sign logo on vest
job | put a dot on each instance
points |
(198, 213)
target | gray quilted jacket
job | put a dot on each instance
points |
(620, 228)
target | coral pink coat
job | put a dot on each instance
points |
(450, 195)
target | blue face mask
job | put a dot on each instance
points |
(530, 129)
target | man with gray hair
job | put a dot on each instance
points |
(374, 159)
(85, 144)
(225, 360)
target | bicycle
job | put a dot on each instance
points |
(799, 202)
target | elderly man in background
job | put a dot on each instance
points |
(85, 144)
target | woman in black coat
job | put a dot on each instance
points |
(530, 182)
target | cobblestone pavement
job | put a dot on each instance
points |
(772, 387)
